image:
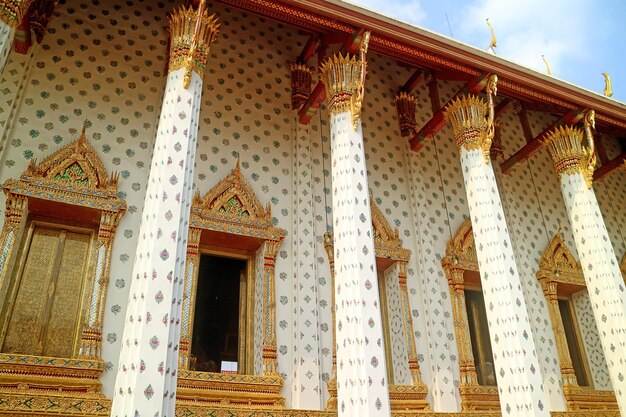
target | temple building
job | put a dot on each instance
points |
(288, 208)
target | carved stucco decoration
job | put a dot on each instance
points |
(461, 257)
(71, 177)
(232, 208)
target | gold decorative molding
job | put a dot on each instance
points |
(70, 180)
(568, 152)
(472, 119)
(191, 37)
(344, 77)
(231, 212)
(12, 11)
(461, 257)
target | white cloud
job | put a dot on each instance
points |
(409, 11)
(526, 29)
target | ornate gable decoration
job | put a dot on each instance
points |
(387, 241)
(559, 265)
(461, 250)
(72, 175)
(232, 206)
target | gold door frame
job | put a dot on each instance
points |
(246, 334)
(388, 249)
(561, 275)
(70, 180)
(231, 212)
(461, 257)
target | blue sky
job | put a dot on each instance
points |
(579, 38)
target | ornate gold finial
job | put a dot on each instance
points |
(568, 152)
(191, 36)
(12, 11)
(472, 119)
(405, 105)
(545, 61)
(493, 43)
(344, 77)
(608, 87)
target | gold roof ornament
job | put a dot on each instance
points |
(344, 77)
(545, 61)
(608, 87)
(493, 43)
(572, 149)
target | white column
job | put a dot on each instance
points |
(306, 386)
(575, 163)
(6, 41)
(517, 367)
(146, 378)
(361, 368)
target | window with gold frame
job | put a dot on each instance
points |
(560, 275)
(479, 334)
(389, 253)
(60, 220)
(230, 221)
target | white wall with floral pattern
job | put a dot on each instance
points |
(105, 63)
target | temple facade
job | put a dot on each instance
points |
(290, 208)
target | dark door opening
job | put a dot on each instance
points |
(219, 314)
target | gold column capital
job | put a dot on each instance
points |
(190, 42)
(472, 119)
(568, 152)
(12, 11)
(344, 78)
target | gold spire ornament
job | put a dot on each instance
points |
(472, 119)
(344, 77)
(608, 87)
(572, 149)
(545, 61)
(493, 43)
(191, 36)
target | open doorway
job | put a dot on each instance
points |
(220, 315)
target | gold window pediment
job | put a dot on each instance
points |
(461, 250)
(72, 175)
(387, 242)
(233, 207)
(558, 265)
